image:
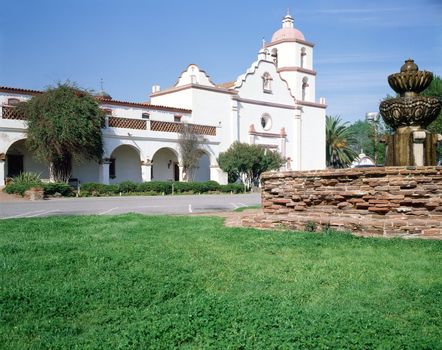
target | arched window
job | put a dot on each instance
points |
(13, 101)
(267, 82)
(274, 55)
(304, 88)
(303, 56)
(266, 121)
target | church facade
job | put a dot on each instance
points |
(272, 104)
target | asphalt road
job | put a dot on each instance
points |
(183, 204)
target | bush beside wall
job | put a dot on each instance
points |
(49, 189)
(157, 187)
(125, 187)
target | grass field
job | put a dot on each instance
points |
(133, 281)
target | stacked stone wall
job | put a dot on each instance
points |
(391, 201)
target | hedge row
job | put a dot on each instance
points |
(157, 187)
(126, 187)
(50, 189)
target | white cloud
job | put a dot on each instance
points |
(346, 11)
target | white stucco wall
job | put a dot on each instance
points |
(176, 98)
(313, 138)
(163, 165)
(127, 164)
(202, 173)
(86, 171)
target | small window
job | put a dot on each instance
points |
(267, 83)
(13, 101)
(303, 54)
(112, 174)
(304, 88)
(274, 55)
(266, 122)
(145, 115)
(177, 118)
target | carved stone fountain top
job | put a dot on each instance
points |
(410, 81)
(410, 109)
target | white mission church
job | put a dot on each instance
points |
(272, 104)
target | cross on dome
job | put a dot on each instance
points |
(287, 21)
(288, 31)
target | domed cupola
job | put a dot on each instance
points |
(103, 95)
(288, 31)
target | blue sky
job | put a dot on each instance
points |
(133, 44)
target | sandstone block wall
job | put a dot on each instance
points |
(394, 201)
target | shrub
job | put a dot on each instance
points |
(127, 186)
(23, 182)
(310, 226)
(20, 187)
(234, 187)
(57, 187)
(213, 185)
(181, 187)
(27, 177)
(158, 187)
(155, 186)
(96, 189)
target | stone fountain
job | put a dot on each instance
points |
(402, 199)
(409, 115)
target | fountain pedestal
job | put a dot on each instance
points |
(409, 115)
(411, 146)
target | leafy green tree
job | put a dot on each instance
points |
(367, 137)
(64, 124)
(339, 138)
(248, 162)
(435, 89)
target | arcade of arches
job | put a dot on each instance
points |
(124, 164)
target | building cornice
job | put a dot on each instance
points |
(193, 86)
(102, 101)
(151, 138)
(296, 69)
(19, 91)
(311, 104)
(263, 103)
(303, 42)
(265, 134)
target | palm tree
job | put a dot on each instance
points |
(338, 143)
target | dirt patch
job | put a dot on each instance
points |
(233, 219)
(5, 197)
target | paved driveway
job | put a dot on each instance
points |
(182, 204)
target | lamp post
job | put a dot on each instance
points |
(373, 118)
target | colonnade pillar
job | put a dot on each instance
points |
(146, 170)
(2, 169)
(103, 171)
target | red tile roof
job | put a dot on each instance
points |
(103, 101)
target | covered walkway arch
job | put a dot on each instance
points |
(19, 159)
(165, 166)
(125, 164)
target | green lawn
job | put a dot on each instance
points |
(134, 281)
